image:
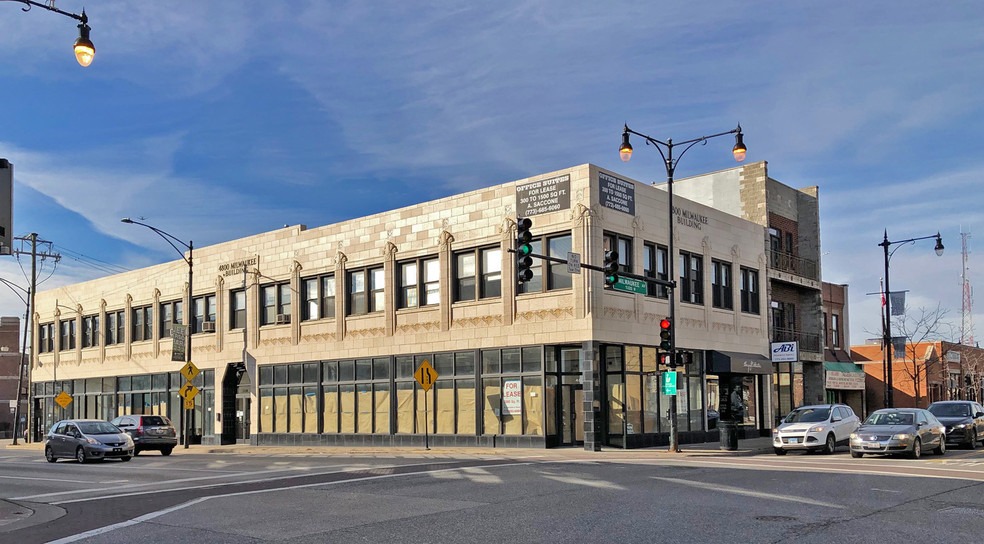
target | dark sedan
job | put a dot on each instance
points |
(964, 421)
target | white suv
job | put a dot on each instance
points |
(820, 427)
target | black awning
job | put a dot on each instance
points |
(738, 363)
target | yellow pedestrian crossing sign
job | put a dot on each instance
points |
(64, 399)
(425, 375)
(189, 371)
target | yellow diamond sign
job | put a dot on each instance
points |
(425, 375)
(64, 399)
(189, 371)
(188, 391)
(189, 404)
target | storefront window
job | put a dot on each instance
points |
(329, 409)
(465, 390)
(404, 407)
(444, 405)
(346, 405)
(382, 407)
(364, 405)
(633, 399)
(532, 405)
(492, 394)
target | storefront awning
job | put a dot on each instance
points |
(738, 363)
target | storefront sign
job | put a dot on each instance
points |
(845, 380)
(617, 194)
(512, 397)
(544, 196)
(785, 352)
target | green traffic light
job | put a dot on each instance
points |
(524, 249)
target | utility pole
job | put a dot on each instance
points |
(33, 239)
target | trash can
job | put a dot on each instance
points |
(729, 435)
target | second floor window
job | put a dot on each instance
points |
(721, 285)
(749, 291)
(237, 309)
(623, 246)
(319, 297)
(835, 330)
(143, 324)
(204, 308)
(115, 323)
(275, 300)
(691, 278)
(67, 335)
(366, 288)
(46, 336)
(90, 331)
(420, 283)
(478, 274)
(171, 313)
(656, 266)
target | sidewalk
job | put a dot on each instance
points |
(750, 446)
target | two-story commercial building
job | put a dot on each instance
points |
(313, 335)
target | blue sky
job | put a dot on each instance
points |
(219, 120)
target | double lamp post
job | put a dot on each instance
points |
(625, 151)
(188, 313)
(887, 318)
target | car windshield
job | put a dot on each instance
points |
(155, 420)
(808, 415)
(98, 427)
(950, 410)
(889, 418)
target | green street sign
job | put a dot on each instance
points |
(630, 285)
(669, 383)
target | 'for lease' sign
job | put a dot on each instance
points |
(512, 397)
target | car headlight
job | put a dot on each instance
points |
(902, 436)
(817, 429)
(775, 432)
(129, 441)
(962, 426)
(854, 436)
(92, 441)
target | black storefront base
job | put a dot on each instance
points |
(399, 440)
(729, 435)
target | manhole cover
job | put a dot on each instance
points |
(775, 518)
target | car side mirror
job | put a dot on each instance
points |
(979, 414)
(835, 419)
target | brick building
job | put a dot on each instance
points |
(10, 362)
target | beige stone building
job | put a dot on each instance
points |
(313, 335)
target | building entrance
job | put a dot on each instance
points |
(236, 405)
(571, 415)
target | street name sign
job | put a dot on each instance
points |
(573, 262)
(629, 285)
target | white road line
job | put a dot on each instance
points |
(49, 479)
(747, 492)
(886, 490)
(152, 515)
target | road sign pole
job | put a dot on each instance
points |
(426, 423)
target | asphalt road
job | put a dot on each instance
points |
(548, 496)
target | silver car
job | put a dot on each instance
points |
(899, 430)
(86, 439)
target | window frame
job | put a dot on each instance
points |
(322, 304)
(175, 311)
(623, 246)
(421, 287)
(236, 313)
(482, 281)
(722, 296)
(691, 287)
(653, 255)
(282, 298)
(749, 293)
(208, 311)
(362, 302)
(142, 329)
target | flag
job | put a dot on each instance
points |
(897, 299)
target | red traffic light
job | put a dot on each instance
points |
(664, 324)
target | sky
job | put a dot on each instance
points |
(219, 120)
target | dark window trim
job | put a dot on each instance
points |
(691, 288)
(721, 293)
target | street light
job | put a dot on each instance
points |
(625, 151)
(887, 321)
(170, 239)
(84, 50)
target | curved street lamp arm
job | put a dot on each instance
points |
(886, 243)
(81, 18)
(670, 144)
(165, 235)
(12, 287)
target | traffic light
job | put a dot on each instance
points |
(665, 335)
(611, 268)
(524, 247)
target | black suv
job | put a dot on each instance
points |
(964, 420)
(148, 432)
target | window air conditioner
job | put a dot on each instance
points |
(208, 326)
(283, 318)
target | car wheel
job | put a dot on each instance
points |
(831, 445)
(125, 458)
(941, 449)
(779, 451)
(857, 454)
(136, 452)
(49, 455)
(916, 452)
(166, 451)
(972, 444)
(80, 455)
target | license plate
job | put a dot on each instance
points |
(794, 440)
(872, 445)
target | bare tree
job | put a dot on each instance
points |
(923, 325)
